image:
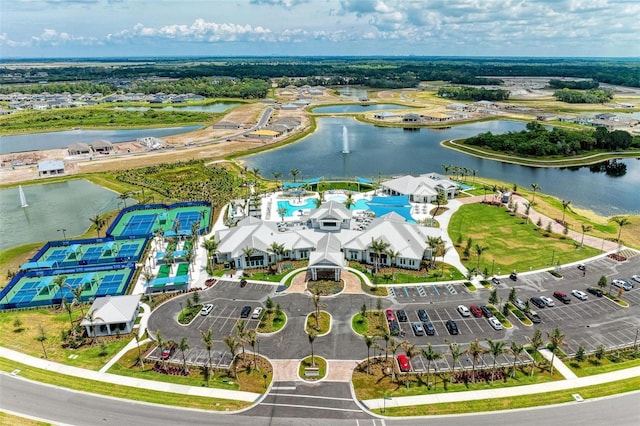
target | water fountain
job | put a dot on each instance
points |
(345, 140)
(23, 199)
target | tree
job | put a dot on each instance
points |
(184, 346)
(434, 244)
(252, 339)
(294, 173)
(556, 339)
(363, 312)
(247, 252)
(621, 221)
(600, 352)
(535, 342)
(207, 341)
(349, 202)
(565, 204)
(456, 352)
(211, 246)
(315, 298)
(124, 196)
(475, 351)
(496, 348)
(99, 222)
(232, 344)
(277, 176)
(516, 349)
(535, 188)
(479, 250)
(513, 295)
(585, 229)
(368, 341)
(140, 360)
(312, 337)
(527, 210)
(386, 336)
(278, 250)
(441, 199)
(240, 325)
(282, 212)
(579, 356)
(160, 341)
(602, 283)
(68, 306)
(393, 348)
(430, 355)
(378, 248)
(42, 337)
(493, 297)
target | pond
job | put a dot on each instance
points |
(352, 92)
(356, 108)
(52, 207)
(215, 107)
(53, 140)
(393, 151)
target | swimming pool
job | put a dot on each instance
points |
(291, 209)
(360, 204)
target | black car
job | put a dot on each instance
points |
(496, 280)
(595, 291)
(452, 327)
(538, 302)
(582, 267)
(401, 315)
(486, 311)
(394, 328)
(513, 276)
(422, 314)
(243, 283)
(429, 328)
(245, 312)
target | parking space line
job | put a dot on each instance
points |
(435, 288)
(406, 291)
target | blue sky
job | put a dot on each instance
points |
(97, 28)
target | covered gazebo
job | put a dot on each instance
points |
(327, 261)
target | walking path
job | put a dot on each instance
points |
(558, 365)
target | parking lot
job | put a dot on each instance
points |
(418, 293)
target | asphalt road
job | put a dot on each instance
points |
(74, 408)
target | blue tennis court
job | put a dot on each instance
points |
(110, 284)
(139, 224)
(58, 255)
(186, 220)
(128, 250)
(92, 253)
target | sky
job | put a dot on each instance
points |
(144, 28)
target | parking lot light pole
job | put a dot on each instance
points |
(64, 233)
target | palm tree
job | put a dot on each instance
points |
(77, 294)
(621, 221)
(184, 346)
(68, 306)
(348, 203)
(565, 204)
(240, 325)
(433, 243)
(378, 247)
(516, 349)
(160, 341)
(140, 360)
(535, 342)
(312, 337)
(430, 355)
(535, 188)
(585, 229)
(232, 345)
(248, 252)
(207, 341)
(315, 298)
(475, 351)
(393, 348)
(441, 198)
(527, 209)
(446, 168)
(386, 336)
(99, 222)
(252, 339)
(556, 339)
(42, 338)
(124, 197)
(278, 250)
(282, 212)
(479, 250)
(456, 352)
(294, 173)
(211, 246)
(496, 348)
(369, 341)
(277, 176)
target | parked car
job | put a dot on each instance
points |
(418, 329)
(579, 294)
(168, 350)
(403, 363)
(538, 302)
(595, 291)
(496, 280)
(401, 315)
(629, 282)
(475, 311)
(534, 317)
(495, 323)
(245, 312)
(562, 297)
(520, 304)
(513, 276)
(256, 313)
(452, 327)
(582, 267)
(464, 311)
(429, 328)
(548, 301)
(422, 315)
(243, 283)
(486, 311)
(621, 284)
(394, 328)
(636, 278)
(390, 315)
(206, 309)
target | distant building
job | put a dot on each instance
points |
(79, 148)
(50, 168)
(112, 315)
(410, 118)
(102, 146)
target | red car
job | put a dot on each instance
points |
(390, 315)
(168, 350)
(475, 311)
(403, 363)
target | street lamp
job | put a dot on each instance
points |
(64, 233)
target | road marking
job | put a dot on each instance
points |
(315, 407)
(284, 388)
(311, 396)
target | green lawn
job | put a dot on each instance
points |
(324, 322)
(511, 242)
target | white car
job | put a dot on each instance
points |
(495, 323)
(256, 313)
(206, 309)
(464, 311)
(622, 284)
(520, 304)
(636, 278)
(580, 294)
(548, 301)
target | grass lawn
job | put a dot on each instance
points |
(375, 290)
(399, 275)
(613, 361)
(324, 323)
(8, 419)
(318, 362)
(54, 322)
(378, 382)
(188, 314)
(325, 287)
(512, 243)
(374, 324)
(270, 322)
(118, 391)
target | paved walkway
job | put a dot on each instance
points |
(558, 365)
(349, 277)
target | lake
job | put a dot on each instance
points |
(215, 107)
(352, 92)
(53, 140)
(356, 108)
(52, 206)
(395, 151)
